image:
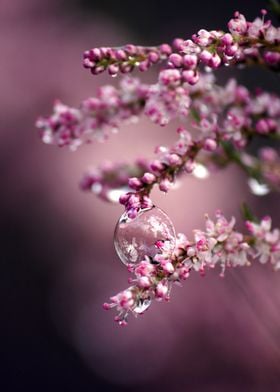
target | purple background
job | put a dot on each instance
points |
(57, 263)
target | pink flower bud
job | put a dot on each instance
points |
(190, 76)
(121, 55)
(190, 61)
(165, 185)
(153, 57)
(177, 43)
(173, 159)
(205, 56)
(113, 69)
(148, 178)
(227, 39)
(189, 166)
(124, 198)
(231, 50)
(135, 183)
(130, 49)
(165, 49)
(210, 144)
(157, 166)
(272, 58)
(175, 59)
(144, 66)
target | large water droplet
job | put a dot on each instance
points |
(136, 238)
(142, 305)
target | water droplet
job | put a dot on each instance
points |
(258, 188)
(113, 195)
(96, 188)
(142, 305)
(47, 137)
(200, 171)
(136, 238)
(207, 69)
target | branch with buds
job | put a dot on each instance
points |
(218, 124)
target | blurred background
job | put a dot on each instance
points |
(57, 263)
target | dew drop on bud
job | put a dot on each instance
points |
(142, 305)
(139, 237)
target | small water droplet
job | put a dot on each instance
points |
(96, 188)
(47, 137)
(142, 305)
(258, 188)
(200, 171)
(113, 195)
(136, 238)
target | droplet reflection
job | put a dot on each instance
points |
(136, 238)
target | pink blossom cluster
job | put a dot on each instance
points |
(217, 125)
(124, 59)
(266, 242)
(110, 180)
(96, 117)
(162, 171)
(229, 113)
(245, 42)
(219, 244)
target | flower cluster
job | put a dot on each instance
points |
(96, 117)
(266, 242)
(124, 59)
(218, 123)
(245, 42)
(219, 244)
(229, 113)
(110, 180)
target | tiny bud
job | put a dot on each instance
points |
(144, 66)
(153, 57)
(190, 76)
(106, 306)
(189, 166)
(175, 59)
(95, 54)
(210, 144)
(165, 49)
(177, 44)
(87, 63)
(165, 185)
(121, 55)
(174, 159)
(135, 183)
(148, 178)
(124, 198)
(113, 69)
(190, 61)
(227, 39)
(130, 49)
(157, 166)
